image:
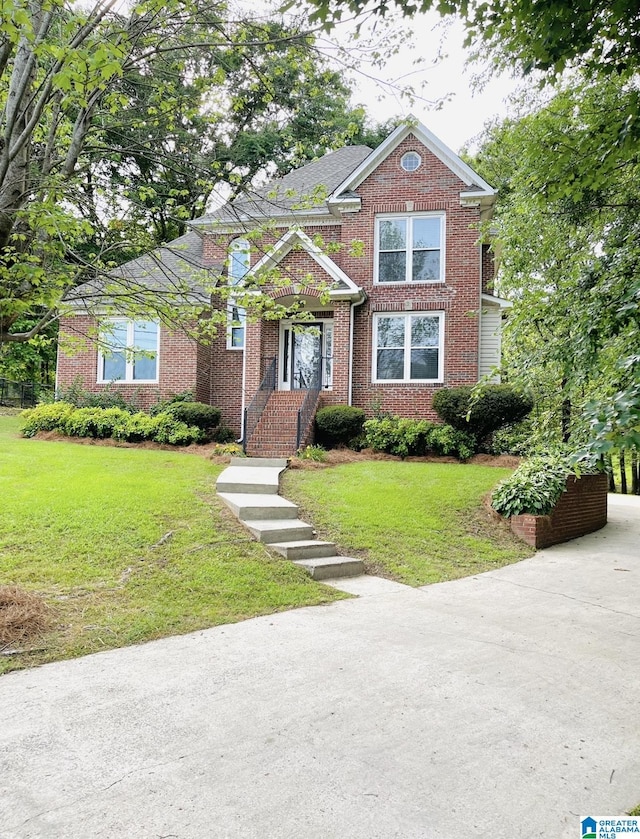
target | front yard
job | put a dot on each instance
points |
(129, 544)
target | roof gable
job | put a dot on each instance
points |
(477, 186)
(343, 288)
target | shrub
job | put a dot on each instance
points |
(205, 417)
(409, 437)
(446, 440)
(167, 429)
(94, 422)
(339, 425)
(223, 435)
(161, 406)
(534, 487)
(49, 417)
(108, 397)
(494, 407)
(397, 435)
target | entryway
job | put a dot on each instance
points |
(306, 355)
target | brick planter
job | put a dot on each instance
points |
(580, 510)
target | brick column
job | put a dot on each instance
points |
(253, 359)
(341, 339)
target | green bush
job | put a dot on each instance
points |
(315, 453)
(446, 440)
(339, 425)
(494, 407)
(168, 429)
(107, 397)
(397, 435)
(95, 422)
(534, 487)
(161, 406)
(413, 438)
(49, 417)
(205, 417)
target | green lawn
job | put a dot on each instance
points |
(414, 522)
(130, 544)
(84, 526)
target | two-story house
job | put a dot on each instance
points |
(379, 253)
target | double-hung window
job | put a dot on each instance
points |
(128, 351)
(239, 261)
(408, 347)
(410, 249)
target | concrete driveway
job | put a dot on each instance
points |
(503, 705)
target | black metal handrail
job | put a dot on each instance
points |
(255, 408)
(17, 394)
(306, 411)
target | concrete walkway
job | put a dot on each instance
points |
(505, 705)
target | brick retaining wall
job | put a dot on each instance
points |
(580, 510)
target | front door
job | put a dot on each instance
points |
(306, 351)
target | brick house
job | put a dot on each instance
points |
(378, 248)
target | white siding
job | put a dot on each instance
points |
(490, 340)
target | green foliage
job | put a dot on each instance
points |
(315, 453)
(544, 37)
(534, 487)
(413, 438)
(233, 449)
(95, 422)
(162, 404)
(205, 417)
(223, 435)
(46, 417)
(109, 422)
(339, 425)
(108, 396)
(493, 407)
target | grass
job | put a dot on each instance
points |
(126, 545)
(418, 523)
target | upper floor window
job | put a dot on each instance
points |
(239, 262)
(410, 161)
(408, 347)
(128, 351)
(410, 248)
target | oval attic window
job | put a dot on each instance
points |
(411, 161)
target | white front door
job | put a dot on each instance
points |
(306, 355)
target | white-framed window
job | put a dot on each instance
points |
(238, 265)
(128, 351)
(408, 347)
(410, 161)
(410, 249)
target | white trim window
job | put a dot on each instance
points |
(408, 347)
(128, 351)
(410, 249)
(238, 265)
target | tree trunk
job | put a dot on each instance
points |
(612, 480)
(623, 474)
(635, 473)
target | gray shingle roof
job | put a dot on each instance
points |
(299, 192)
(173, 270)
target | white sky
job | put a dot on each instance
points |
(467, 107)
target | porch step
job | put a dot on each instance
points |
(304, 549)
(250, 480)
(279, 530)
(276, 432)
(247, 506)
(331, 567)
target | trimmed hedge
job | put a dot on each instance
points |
(413, 438)
(495, 407)
(199, 414)
(109, 422)
(339, 425)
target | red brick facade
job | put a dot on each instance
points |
(221, 376)
(580, 510)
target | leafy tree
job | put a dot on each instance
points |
(569, 253)
(138, 113)
(601, 36)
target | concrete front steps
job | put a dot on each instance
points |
(249, 487)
